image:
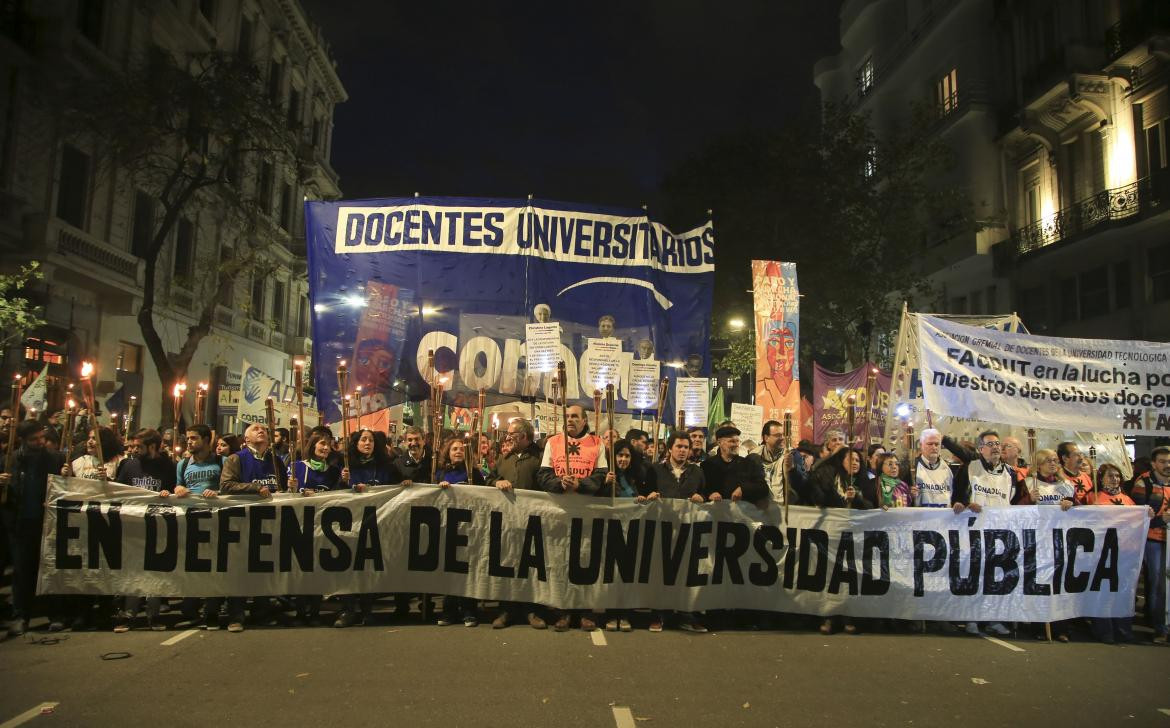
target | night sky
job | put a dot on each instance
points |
(591, 102)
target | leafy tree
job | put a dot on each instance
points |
(854, 210)
(18, 315)
(187, 130)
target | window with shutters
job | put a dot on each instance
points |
(184, 250)
(947, 92)
(73, 191)
(1155, 111)
(144, 220)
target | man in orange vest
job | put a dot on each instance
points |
(586, 458)
(574, 462)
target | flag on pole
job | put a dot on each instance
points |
(36, 394)
(715, 412)
(116, 402)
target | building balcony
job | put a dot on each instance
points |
(1120, 205)
(299, 346)
(1150, 17)
(86, 255)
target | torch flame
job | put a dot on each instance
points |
(495, 420)
(72, 404)
(86, 369)
(203, 386)
(341, 365)
(176, 392)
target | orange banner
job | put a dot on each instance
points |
(777, 321)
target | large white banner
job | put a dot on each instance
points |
(907, 406)
(1044, 381)
(1025, 563)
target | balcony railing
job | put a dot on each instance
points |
(1096, 211)
(1150, 16)
(73, 242)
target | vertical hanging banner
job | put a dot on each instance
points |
(467, 274)
(693, 395)
(603, 364)
(543, 344)
(642, 385)
(831, 392)
(777, 319)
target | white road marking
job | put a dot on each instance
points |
(179, 637)
(598, 638)
(31, 713)
(1001, 643)
(623, 717)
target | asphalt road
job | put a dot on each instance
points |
(420, 675)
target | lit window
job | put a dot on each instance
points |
(129, 357)
(43, 350)
(865, 77)
(947, 92)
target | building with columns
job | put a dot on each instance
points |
(66, 203)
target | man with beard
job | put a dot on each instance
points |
(146, 465)
(415, 463)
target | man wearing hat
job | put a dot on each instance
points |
(730, 475)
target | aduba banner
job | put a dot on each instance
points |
(1024, 563)
(390, 279)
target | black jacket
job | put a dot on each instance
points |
(824, 478)
(724, 477)
(661, 480)
(30, 478)
(157, 473)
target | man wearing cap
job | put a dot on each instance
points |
(730, 475)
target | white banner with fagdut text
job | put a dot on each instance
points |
(1094, 385)
(1025, 563)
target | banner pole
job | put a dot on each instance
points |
(609, 403)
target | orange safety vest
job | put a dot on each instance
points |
(583, 454)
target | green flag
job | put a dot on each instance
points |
(715, 412)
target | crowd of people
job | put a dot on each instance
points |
(943, 473)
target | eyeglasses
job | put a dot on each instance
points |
(991, 443)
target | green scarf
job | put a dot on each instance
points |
(318, 465)
(888, 485)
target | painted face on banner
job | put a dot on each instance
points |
(781, 348)
(373, 366)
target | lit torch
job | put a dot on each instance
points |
(87, 372)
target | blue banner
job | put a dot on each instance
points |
(390, 279)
